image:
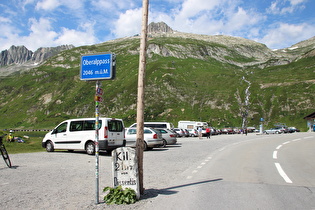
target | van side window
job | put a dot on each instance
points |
(90, 125)
(62, 128)
(115, 126)
(76, 126)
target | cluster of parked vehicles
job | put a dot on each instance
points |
(81, 134)
(279, 130)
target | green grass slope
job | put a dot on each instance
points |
(186, 85)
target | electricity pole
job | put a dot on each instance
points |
(140, 101)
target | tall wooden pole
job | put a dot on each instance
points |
(140, 101)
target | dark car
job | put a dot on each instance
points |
(293, 129)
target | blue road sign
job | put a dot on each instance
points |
(98, 67)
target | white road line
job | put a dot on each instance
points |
(308, 137)
(275, 154)
(194, 171)
(287, 142)
(282, 173)
(296, 139)
(199, 167)
(279, 147)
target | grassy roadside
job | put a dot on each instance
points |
(33, 142)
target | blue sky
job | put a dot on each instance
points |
(48, 23)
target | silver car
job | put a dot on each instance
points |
(152, 138)
(273, 131)
(168, 136)
(193, 132)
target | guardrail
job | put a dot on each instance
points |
(28, 130)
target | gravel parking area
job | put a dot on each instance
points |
(66, 180)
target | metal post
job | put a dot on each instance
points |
(97, 146)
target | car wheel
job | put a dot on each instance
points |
(164, 143)
(49, 146)
(145, 146)
(90, 148)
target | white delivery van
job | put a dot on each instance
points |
(79, 134)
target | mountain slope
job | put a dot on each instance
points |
(217, 79)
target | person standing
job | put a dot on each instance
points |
(208, 132)
(200, 132)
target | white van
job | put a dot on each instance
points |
(79, 134)
(155, 125)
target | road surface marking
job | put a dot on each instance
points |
(279, 147)
(287, 142)
(275, 154)
(282, 173)
(296, 140)
(308, 137)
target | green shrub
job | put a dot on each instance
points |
(119, 195)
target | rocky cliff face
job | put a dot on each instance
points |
(21, 55)
(43, 53)
(16, 54)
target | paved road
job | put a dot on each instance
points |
(225, 172)
(261, 172)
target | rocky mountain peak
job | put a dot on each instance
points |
(15, 54)
(21, 55)
(159, 27)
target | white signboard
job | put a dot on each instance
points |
(125, 169)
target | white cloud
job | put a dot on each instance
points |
(4, 20)
(285, 34)
(42, 34)
(191, 8)
(217, 17)
(241, 19)
(128, 23)
(47, 4)
(77, 37)
(285, 6)
(113, 6)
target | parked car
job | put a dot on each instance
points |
(228, 131)
(152, 138)
(193, 132)
(179, 131)
(293, 129)
(168, 136)
(273, 131)
(186, 133)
